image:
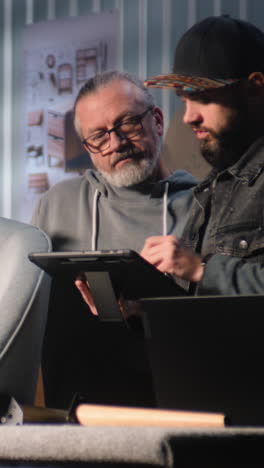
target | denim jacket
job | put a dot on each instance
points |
(230, 276)
(226, 216)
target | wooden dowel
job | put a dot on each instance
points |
(89, 415)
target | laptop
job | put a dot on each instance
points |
(207, 354)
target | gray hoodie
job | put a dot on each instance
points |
(87, 213)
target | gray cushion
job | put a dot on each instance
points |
(49, 445)
(24, 292)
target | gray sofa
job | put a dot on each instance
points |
(74, 446)
(24, 294)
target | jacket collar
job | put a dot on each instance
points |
(247, 169)
(250, 165)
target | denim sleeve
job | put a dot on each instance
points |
(231, 275)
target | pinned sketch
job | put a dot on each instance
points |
(58, 58)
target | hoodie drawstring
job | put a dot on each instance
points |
(165, 209)
(94, 219)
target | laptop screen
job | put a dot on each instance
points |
(207, 354)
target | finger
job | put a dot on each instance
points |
(159, 240)
(86, 295)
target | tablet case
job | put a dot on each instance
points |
(110, 273)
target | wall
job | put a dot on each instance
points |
(149, 30)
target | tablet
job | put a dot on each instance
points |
(110, 273)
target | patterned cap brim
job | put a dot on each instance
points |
(187, 83)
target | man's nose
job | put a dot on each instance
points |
(116, 140)
(192, 113)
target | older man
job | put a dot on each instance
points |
(128, 197)
(218, 74)
(121, 202)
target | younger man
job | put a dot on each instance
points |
(218, 73)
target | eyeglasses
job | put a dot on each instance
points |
(127, 129)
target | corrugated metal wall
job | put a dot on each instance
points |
(148, 32)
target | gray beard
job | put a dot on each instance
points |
(132, 173)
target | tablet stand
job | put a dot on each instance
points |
(103, 295)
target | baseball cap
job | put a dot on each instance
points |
(216, 52)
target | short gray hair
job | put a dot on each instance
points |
(102, 80)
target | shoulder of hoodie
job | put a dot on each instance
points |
(67, 186)
(182, 180)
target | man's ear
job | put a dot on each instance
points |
(158, 118)
(256, 84)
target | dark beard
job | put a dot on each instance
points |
(228, 146)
